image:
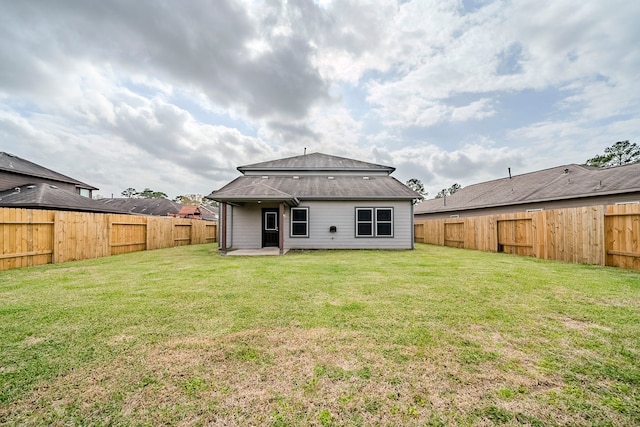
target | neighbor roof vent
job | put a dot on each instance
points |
(296, 177)
(265, 177)
(365, 177)
(330, 177)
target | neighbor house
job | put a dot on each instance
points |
(315, 201)
(24, 184)
(16, 172)
(555, 188)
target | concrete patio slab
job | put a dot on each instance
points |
(257, 252)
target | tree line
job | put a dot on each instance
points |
(185, 199)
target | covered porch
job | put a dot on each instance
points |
(259, 225)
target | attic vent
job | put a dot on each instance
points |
(628, 203)
(330, 177)
(535, 210)
(265, 177)
(296, 177)
(31, 187)
(53, 186)
(365, 177)
(454, 216)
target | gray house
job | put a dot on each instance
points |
(315, 201)
(24, 184)
(560, 187)
(16, 172)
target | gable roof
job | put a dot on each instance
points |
(14, 164)
(315, 162)
(47, 196)
(560, 183)
(209, 213)
(155, 207)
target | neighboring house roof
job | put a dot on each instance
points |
(14, 164)
(209, 213)
(315, 162)
(314, 176)
(560, 183)
(47, 196)
(189, 210)
(155, 207)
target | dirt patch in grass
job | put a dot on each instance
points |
(582, 325)
(295, 376)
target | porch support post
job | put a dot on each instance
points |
(281, 229)
(223, 227)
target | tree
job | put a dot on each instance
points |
(416, 185)
(620, 153)
(454, 188)
(150, 194)
(195, 199)
(448, 191)
(130, 193)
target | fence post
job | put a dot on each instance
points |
(55, 245)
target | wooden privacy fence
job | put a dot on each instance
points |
(601, 235)
(31, 237)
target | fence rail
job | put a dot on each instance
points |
(601, 235)
(31, 237)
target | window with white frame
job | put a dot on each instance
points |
(299, 222)
(374, 222)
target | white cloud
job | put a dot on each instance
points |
(146, 94)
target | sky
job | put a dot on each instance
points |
(174, 95)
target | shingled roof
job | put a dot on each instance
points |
(292, 189)
(560, 183)
(47, 196)
(155, 207)
(14, 164)
(315, 176)
(315, 162)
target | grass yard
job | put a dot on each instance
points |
(435, 336)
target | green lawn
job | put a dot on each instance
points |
(434, 336)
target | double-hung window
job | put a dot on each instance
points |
(374, 222)
(299, 222)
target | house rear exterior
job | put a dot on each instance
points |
(315, 201)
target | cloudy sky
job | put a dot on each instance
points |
(174, 95)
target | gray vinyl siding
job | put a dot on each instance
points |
(246, 226)
(324, 214)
